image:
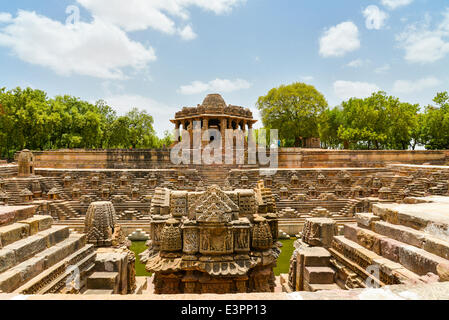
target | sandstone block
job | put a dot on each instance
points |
(437, 246)
(319, 275)
(103, 281)
(7, 259)
(400, 233)
(389, 248)
(13, 232)
(38, 223)
(316, 257)
(418, 260)
(26, 248)
(55, 235)
(365, 220)
(10, 280)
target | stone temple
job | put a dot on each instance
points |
(360, 220)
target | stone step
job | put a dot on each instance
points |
(24, 228)
(54, 278)
(38, 223)
(316, 257)
(21, 250)
(13, 232)
(413, 258)
(413, 237)
(357, 255)
(322, 287)
(103, 281)
(319, 275)
(418, 216)
(21, 273)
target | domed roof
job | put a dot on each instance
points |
(214, 100)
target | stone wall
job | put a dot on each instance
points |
(288, 158)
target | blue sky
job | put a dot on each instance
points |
(161, 55)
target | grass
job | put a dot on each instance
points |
(283, 263)
(139, 247)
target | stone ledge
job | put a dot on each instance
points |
(434, 291)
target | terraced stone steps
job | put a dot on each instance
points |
(41, 258)
(413, 258)
(75, 267)
(358, 259)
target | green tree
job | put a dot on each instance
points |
(331, 121)
(378, 122)
(435, 123)
(294, 110)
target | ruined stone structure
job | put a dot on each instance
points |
(213, 113)
(213, 242)
(361, 219)
(406, 243)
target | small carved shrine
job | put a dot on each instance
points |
(213, 242)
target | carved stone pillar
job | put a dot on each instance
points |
(191, 238)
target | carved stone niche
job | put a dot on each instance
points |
(26, 195)
(178, 204)
(283, 193)
(385, 193)
(242, 229)
(273, 222)
(152, 181)
(312, 192)
(157, 224)
(319, 232)
(244, 181)
(76, 193)
(53, 194)
(262, 237)
(171, 237)
(294, 181)
(95, 181)
(105, 193)
(247, 202)
(67, 181)
(181, 181)
(191, 237)
(321, 179)
(36, 189)
(123, 180)
(216, 239)
(268, 182)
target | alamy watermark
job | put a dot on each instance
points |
(373, 280)
(73, 13)
(73, 280)
(207, 147)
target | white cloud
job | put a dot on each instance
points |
(423, 44)
(358, 63)
(217, 85)
(5, 17)
(383, 69)
(96, 49)
(155, 14)
(375, 18)
(393, 4)
(340, 39)
(348, 89)
(406, 86)
(187, 33)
